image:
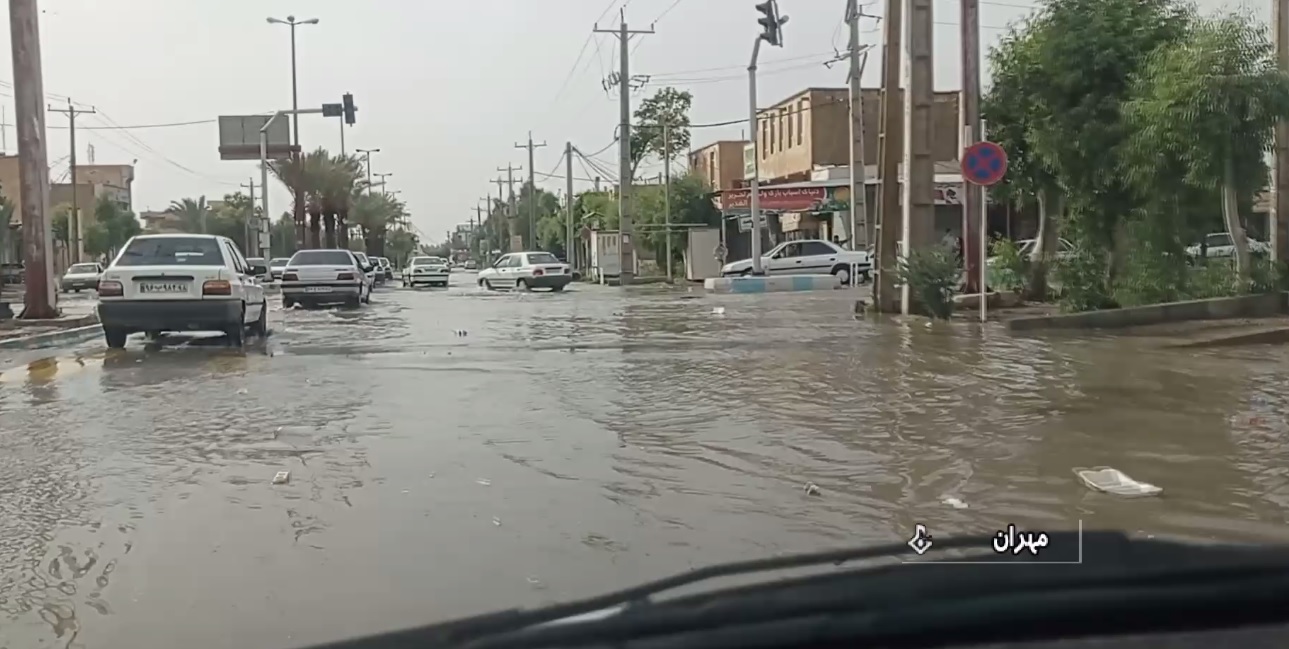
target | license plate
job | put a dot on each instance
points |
(317, 289)
(163, 287)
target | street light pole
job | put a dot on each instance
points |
(382, 181)
(366, 154)
(298, 191)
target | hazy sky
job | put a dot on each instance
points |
(444, 88)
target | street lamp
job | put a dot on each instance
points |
(382, 181)
(366, 153)
(295, 93)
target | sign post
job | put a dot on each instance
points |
(983, 164)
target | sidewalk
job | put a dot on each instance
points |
(78, 321)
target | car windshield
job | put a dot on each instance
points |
(81, 269)
(542, 258)
(280, 261)
(1218, 240)
(171, 251)
(322, 258)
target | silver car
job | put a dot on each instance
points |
(316, 277)
(80, 277)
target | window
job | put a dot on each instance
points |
(774, 133)
(171, 251)
(765, 138)
(427, 261)
(790, 250)
(322, 258)
(802, 107)
(236, 258)
(542, 258)
(83, 269)
(1215, 240)
(810, 248)
(515, 261)
(783, 119)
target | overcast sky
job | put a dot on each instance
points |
(445, 89)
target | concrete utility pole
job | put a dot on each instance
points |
(512, 216)
(889, 226)
(1280, 164)
(626, 247)
(666, 192)
(859, 217)
(482, 236)
(503, 242)
(40, 299)
(532, 191)
(252, 234)
(75, 228)
(570, 242)
(974, 212)
(918, 197)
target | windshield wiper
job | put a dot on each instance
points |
(901, 602)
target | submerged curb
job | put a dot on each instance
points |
(51, 338)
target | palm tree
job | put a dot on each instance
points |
(307, 172)
(341, 180)
(192, 213)
(374, 214)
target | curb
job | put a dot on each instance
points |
(51, 338)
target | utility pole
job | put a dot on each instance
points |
(626, 229)
(859, 217)
(502, 242)
(975, 214)
(40, 299)
(512, 219)
(74, 225)
(889, 149)
(252, 232)
(570, 243)
(1280, 164)
(482, 235)
(918, 196)
(532, 191)
(666, 192)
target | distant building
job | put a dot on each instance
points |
(160, 222)
(719, 164)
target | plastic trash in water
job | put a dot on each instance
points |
(955, 503)
(718, 310)
(483, 481)
(281, 477)
(812, 489)
(1113, 481)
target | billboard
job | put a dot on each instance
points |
(239, 136)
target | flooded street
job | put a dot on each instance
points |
(452, 452)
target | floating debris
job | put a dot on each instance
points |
(461, 332)
(718, 310)
(483, 481)
(242, 391)
(281, 477)
(496, 521)
(1113, 481)
(812, 489)
(954, 503)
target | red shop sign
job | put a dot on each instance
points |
(789, 199)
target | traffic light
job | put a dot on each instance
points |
(771, 22)
(350, 109)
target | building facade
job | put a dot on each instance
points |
(719, 164)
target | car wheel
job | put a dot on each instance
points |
(842, 272)
(261, 326)
(522, 285)
(487, 284)
(557, 288)
(236, 331)
(114, 337)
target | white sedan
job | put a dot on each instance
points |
(526, 271)
(810, 256)
(431, 271)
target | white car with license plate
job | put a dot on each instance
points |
(526, 271)
(369, 268)
(807, 257)
(329, 276)
(430, 271)
(181, 282)
(81, 277)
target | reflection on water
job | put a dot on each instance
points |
(457, 451)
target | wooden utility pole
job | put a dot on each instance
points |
(75, 227)
(889, 149)
(974, 213)
(41, 297)
(918, 197)
(1279, 218)
(532, 190)
(516, 242)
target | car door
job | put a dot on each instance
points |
(782, 259)
(817, 257)
(251, 290)
(493, 273)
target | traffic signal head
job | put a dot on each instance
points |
(350, 109)
(771, 22)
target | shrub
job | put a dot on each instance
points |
(1082, 277)
(1010, 268)
(932, 277)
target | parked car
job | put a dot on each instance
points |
(808, 256)
(261, 262)
(317, 277)
(276, 266)
(369, 270)
(526, 271)
(431, 271)
(471, 265)
(80, 277)
(1026, 249)
(181, 282)
(384, 268)
(1219, 245)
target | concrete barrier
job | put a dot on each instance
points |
(772, 284)
(1245, 306)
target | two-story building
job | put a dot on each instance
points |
(720, 164)
(803, 167)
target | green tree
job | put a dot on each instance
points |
(194, 213)
(282, 236)
(669, 107)
(1202, 111)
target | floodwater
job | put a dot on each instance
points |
(453, 452)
